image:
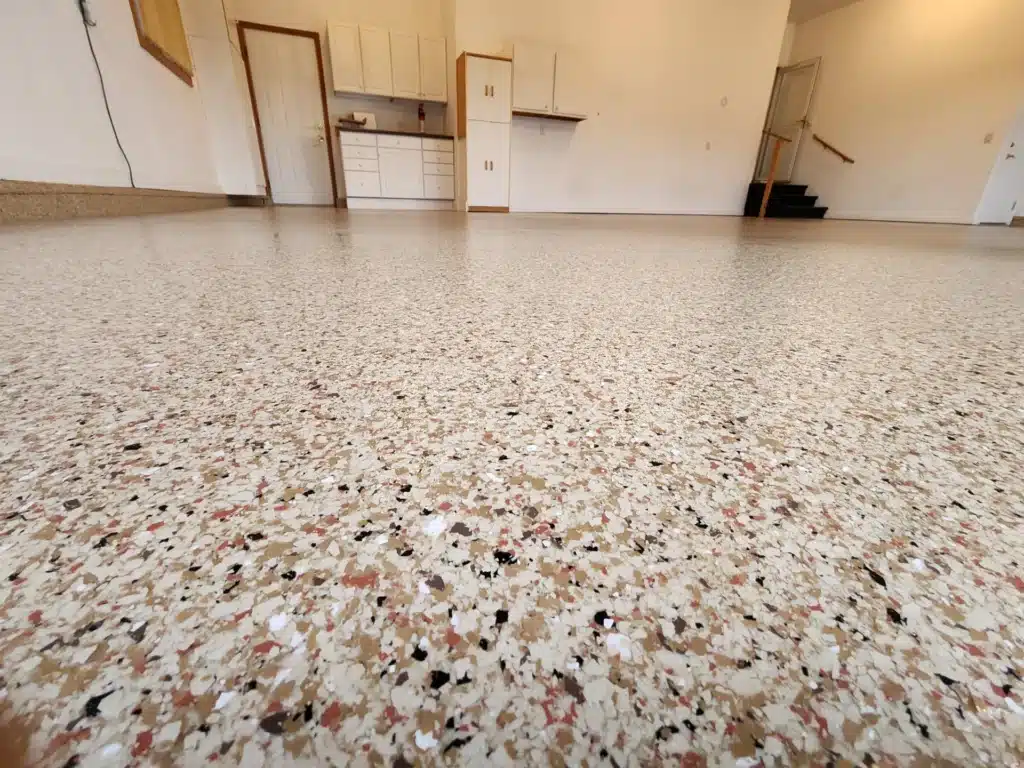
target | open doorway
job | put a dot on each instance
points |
(289, 102)
(788, 111)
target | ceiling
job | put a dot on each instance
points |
(805, 10)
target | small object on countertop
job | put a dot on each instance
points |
(369, 119)
(423, 120)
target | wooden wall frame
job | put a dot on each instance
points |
(157, 51)
(315, 37)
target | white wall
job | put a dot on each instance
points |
(54, 127)
(220, 79)
(657, 73)
(910, 89)
(787, 45)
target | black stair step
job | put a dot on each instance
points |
(799, 212)
(796, 201)
(779, 189)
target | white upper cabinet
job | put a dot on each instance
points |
(405, 65)
(488, 89)
(433, 69)
(376, 50)
(346, 61)
(533, 79)
(388, 63)
(570, 85)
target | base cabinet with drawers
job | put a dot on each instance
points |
(381, 166)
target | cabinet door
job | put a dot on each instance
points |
(533, 77)
(501, 90)
(346, 60)
(376, 49)
(570, 85)
(478, 89)
(433, 69)
(405, 65)
(401, 173)
(487, 163)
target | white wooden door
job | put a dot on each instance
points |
(571, 80)
(346, 60)
(405, 65)
(433, 69)
(401, 173)
(376, 49)
(488, 89)
(287, 84)
(487, 163)
(533, 77)
(788, 112)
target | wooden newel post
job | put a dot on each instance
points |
(771, 177)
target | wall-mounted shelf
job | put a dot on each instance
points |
(549, 116)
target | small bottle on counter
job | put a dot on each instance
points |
(423, 120)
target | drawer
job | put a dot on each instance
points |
(434, 169)
(360, 164)
(439, 187)
(358, 153)
(350, 139)
(439, 145)
(400, 142)
(362, 184)
(438, 157)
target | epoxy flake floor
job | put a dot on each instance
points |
(300, 487)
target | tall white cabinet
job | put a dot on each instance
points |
(484, 130)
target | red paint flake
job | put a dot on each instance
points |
(739, 578)
(224, 514)
(35, 618)
(444, 506)
(183, 698)
(265, 647)
(1018, 582)
(730, 729)
(261, 485)
(142, 743)
(802, 712)
(392, 715)
(452, 637)
(729, 512)
(331, 718)
(241, 615)
(329, 520)
(605, 519)
(693, 760)
(974, 650)
(275, 707)
(362, 580)
(749, 465)
(960, 540)
(154, 527)
(998, 691)
(715, 465)
(64, 738)
(280, 507)
(56, 519)
(817, 608)
(979, 582)
(330, 626)
(213, 757)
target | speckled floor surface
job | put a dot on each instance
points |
(297, 487)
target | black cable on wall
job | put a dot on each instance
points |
(87, 22)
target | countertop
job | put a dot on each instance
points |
(394, 133)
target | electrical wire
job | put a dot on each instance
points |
(87, 23)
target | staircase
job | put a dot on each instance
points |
(787, 201)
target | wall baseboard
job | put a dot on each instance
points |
(25, 201)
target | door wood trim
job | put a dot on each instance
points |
(328, 137)
(488, 208)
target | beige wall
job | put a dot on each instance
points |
(910, 89)
(675, 90)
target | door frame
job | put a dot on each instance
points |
(244, 48)
(773, 104)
